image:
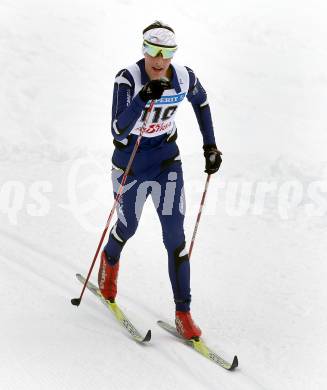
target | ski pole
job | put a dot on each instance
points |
(77, 301)
(199, 215)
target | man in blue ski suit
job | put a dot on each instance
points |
(157, 168)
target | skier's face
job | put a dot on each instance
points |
(156, 67)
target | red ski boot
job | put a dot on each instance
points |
(107, 278)
(185, 325)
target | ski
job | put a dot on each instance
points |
(201, 347)
(117, 312)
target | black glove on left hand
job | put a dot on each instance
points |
(213, 158)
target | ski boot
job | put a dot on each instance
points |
(107, 278)
(186, 327)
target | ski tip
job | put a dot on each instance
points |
(234, 364)
(147, 337)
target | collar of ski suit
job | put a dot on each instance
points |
(145, 77)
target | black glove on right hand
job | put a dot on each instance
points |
(213, 158)
(154, 89)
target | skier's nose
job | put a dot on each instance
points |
(159, 59)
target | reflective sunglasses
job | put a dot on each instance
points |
(153, 50)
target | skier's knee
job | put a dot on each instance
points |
(181, 253)
(123, 232)
(173, 239)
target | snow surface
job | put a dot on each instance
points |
(258, 266)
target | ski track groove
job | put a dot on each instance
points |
(26, 256)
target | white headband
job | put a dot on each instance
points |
(160, 36)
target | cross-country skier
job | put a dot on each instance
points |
(157, 167)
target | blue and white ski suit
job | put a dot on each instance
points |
(157, 167)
